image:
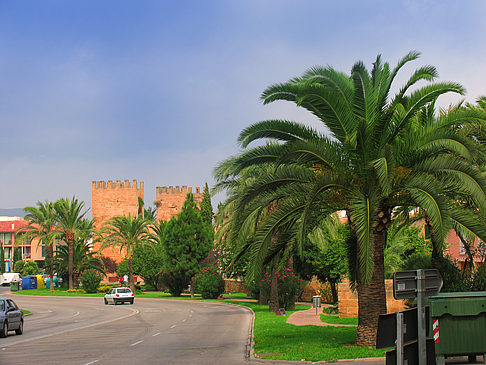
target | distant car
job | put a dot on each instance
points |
(11, 317)
(119, 295)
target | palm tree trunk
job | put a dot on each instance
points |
(334, 293)
(51, 267)
(70, 263)
(130, 273)
(273, 302)
(372, 296)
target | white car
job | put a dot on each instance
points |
(120, 295)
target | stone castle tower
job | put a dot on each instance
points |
(169, 200)
(110, 199)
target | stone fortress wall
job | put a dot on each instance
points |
(109, 199)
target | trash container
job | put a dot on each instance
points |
(14, 285)
(48, 282)
(458, 322)
(29, 282)
(40, 281)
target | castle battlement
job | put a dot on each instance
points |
(176, 190)
(116, 185)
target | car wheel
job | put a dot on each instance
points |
(131, 302)
(4, 331)
(115, 302)
(106, 302)
(20, 330)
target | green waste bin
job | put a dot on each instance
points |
(14, 285)
(460, 323)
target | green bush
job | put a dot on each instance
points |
(209, 283)
(19, 266)
(30, 268)
(91, 280)
(479, 279)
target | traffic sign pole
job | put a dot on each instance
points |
(422, 350)
(400, 331)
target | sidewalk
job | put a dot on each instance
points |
(308, 317)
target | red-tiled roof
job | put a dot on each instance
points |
(12, 226)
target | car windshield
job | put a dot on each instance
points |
(124, 291)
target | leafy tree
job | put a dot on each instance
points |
(69, 216)
(369, 161)
(126, 232)
(325, 255)
(30, 268)
(148, 262)
(186, 241)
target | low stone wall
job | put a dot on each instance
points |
(235, 286)
(315, 287)
(348, 300)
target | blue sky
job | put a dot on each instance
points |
(158, 91)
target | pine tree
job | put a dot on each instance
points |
(186, 241)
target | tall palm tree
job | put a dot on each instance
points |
(126, 232)
(70, 216)
(367, 161)
(42, 226)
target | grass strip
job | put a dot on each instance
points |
(338, 320)
(282, 341)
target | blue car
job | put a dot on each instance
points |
(11, 317)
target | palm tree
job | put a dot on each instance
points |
(368, 161)
(83, 259)
(42, 226)
(126, 232)
(70, 216)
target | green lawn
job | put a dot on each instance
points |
(274, 338)
(338, 320)
(312, 343)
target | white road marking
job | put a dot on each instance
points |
(185, 319)
(173, 326)
(136, 343)
(47, 311)
(76, 314)
(156, 334)
(190, 315)
(78, 320)
(134, 311)
(91, 362)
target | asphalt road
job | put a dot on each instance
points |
(85, 331)
(152, 331)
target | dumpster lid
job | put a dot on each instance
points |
(460, 295)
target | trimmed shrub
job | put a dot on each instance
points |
(90, 280)
(76, 290)
(209, 283)
(30, 268)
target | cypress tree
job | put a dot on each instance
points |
(2, 259)
(206, 207)
(186, 241)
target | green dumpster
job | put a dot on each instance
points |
(458, 323)
(14, 285)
